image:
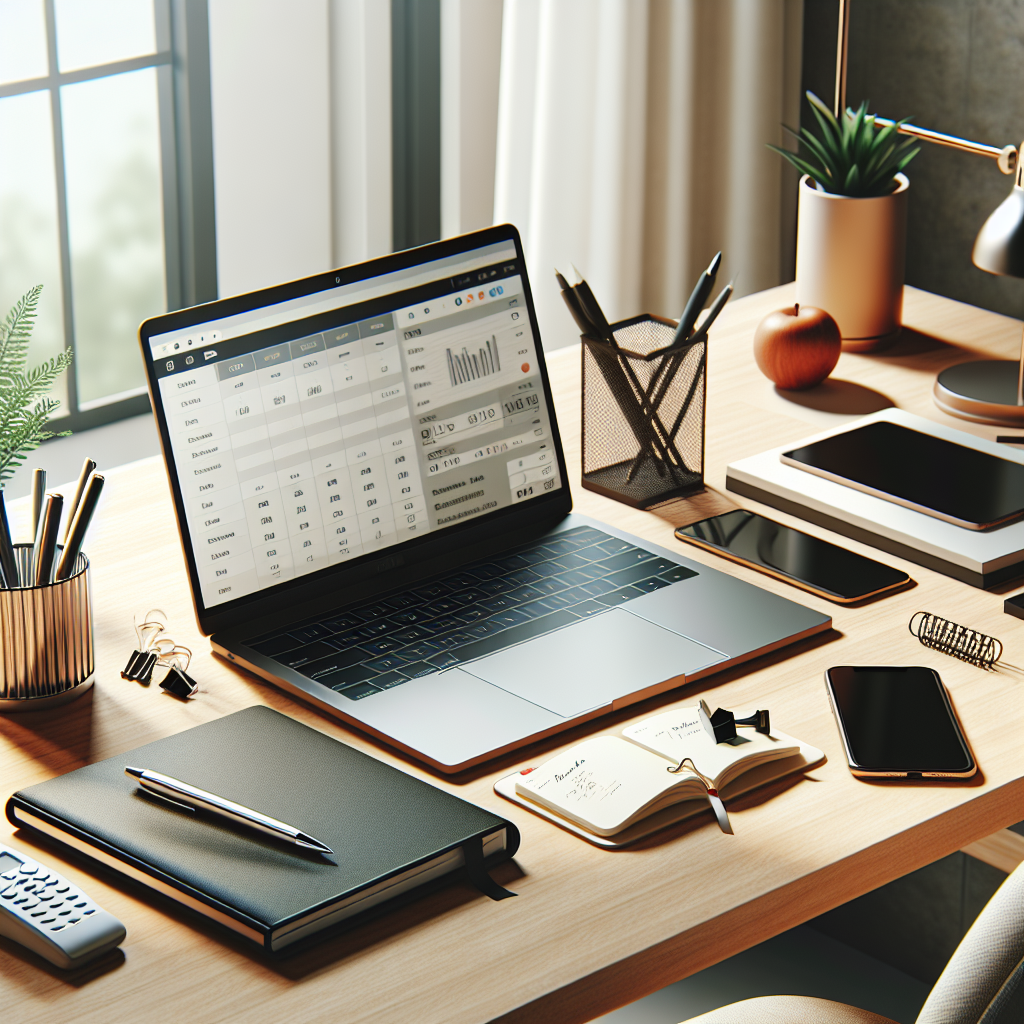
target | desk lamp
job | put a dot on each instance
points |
(990, 390)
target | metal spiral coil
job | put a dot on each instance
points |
(955, 640)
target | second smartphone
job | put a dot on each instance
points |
(807, 562)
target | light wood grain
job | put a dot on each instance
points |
(1003, 850)
(591, 929)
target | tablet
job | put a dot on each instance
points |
(949, 481)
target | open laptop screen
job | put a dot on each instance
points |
(307, 433)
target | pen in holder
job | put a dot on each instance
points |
(46, 643)
(643, 413)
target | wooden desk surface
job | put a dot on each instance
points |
(591, 929)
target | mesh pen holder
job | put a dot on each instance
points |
(46, 644)
(643, 414)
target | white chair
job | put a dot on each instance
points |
(983, 975)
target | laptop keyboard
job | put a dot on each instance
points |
(482, 608)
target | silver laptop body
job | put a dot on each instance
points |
(373, 505)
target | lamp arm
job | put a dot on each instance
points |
(1005, 157)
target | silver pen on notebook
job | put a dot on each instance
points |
(195, 799)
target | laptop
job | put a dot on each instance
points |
(374, 508)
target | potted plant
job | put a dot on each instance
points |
(852, 223)
(24, 404)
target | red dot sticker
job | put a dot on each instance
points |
(526, 367)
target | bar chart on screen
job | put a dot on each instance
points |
(466, 366)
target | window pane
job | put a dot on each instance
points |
(29, 245)
(22, 40)
(115, 224)
(91, 32)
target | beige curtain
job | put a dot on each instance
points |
(631, 142)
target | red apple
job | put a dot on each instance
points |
(797, 347)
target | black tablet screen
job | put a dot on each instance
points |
(927, 472)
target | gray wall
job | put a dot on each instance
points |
(955, 66)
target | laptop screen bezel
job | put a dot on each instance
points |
(339, 584)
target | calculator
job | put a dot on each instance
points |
(45, 912)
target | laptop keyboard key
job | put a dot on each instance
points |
(307, 634)
(385, 664)
(278, 645)
(461, 580)
(522, 576)
(356, 692)
(497, 604)
(657, 564)
(471, 614)
(571, 561)
(555, 601)
(625, 559)
(549, 585)
(534, 610)
(418, 652)
(589, 608)
(374, 629)
(680, 572)
(613, 545)
(524, 594)
(598, 587)
(432, 591)
(447, 622)
(336, 662)
(483, 629)
(341, 623)
(513, 617)
(492, 587)
(624, 577)
(648, 586)
(620, 596)
(310, 652)
(415, 669)
(442, 606)
(410, 635)
(410, 616)
(389, 679)
(400, 601)
(443, 660)
(382, 645)
(573, 578)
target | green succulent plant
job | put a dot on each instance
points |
(856, 158)
(25, 406)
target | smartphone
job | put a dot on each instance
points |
(898, 723)
(798, 558)
(951, 482)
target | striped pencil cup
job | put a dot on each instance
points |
(46, 644)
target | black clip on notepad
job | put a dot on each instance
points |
(721, 725)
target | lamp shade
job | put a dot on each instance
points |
(999, 247)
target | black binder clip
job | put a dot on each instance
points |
(177, 682)
(721, 725)
(140, 665)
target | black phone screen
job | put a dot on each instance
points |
(822, 566)
(897, 719)
(926, 472)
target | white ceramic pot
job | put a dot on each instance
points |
(850, 256)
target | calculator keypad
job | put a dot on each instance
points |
(44, 899)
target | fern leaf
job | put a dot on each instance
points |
(17, 329)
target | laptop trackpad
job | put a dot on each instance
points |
(593, 662)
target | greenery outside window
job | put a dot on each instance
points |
(106, 183)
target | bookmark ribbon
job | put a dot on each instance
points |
(474, 853)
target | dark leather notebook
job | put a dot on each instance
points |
(390, 833)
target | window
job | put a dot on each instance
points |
(105, 183)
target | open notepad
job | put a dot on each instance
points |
(606, 785)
